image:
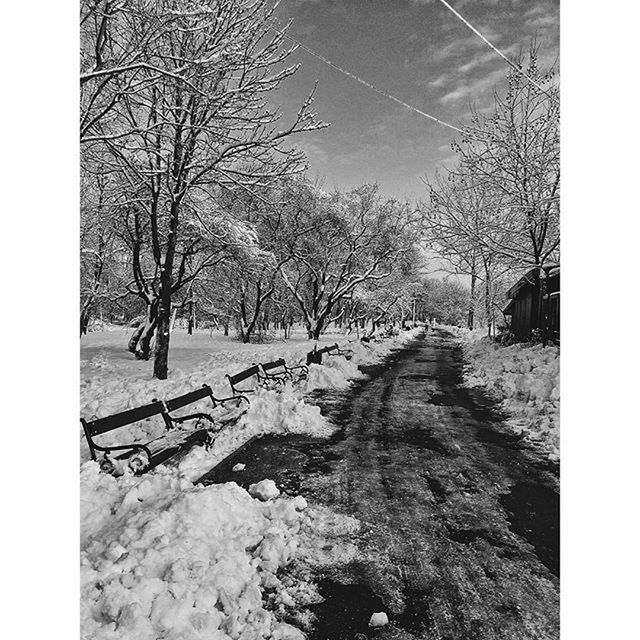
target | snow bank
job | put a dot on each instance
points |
(161, 558)
(527, 380)
(335, 372)
(178, 561)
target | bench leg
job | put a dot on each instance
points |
(107, 465)
(139, 462)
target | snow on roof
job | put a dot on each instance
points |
(549, 269)
(527, 278)
(508, 310)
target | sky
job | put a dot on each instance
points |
(416, 50)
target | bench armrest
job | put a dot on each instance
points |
(192, 416)
(236, 398)
(304, 369)
(122, 447)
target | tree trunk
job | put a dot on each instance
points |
(245, 333)
(140, 341)
(191, 323)
(542, 290)
(472, 300)
(487, 304)
(314, 327)
(135, 337)
(161, 358)
(85, 316)
(143, 350)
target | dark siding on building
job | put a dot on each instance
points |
(526, 316)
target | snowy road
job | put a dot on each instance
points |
(460, 519)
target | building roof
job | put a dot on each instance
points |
(551, 269)
(508, 310)
(527, 278)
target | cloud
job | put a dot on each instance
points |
(439, 81)
(489, 56)
(475, 89)
(477, 62)
(541, 22)
(536, 10)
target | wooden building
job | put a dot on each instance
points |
(534, 304)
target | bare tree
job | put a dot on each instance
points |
(514, 154)
(498, 209)
(337, 242)
(463, 228)
(103, 268)
(196, 120)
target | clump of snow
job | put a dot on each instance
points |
(527, 379)
(378, 619)
(161, 557)
(264, 490)
(178, 561)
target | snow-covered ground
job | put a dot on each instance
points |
(526, 378)
(112, 381)
(164, 558)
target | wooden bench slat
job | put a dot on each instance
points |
(267, 366)
(243, 375)
(109, 423)
(189, 398)
(315, 356)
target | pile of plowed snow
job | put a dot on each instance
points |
(527, 379)
(162, 558)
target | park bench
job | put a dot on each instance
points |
(205, 392)
(279, 371)
(145, 456)
(375, 337)
(252, 372)
(315, 356)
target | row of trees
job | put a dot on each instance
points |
(290, 251)
(194, 200)
(495, 215)
(174, 108)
